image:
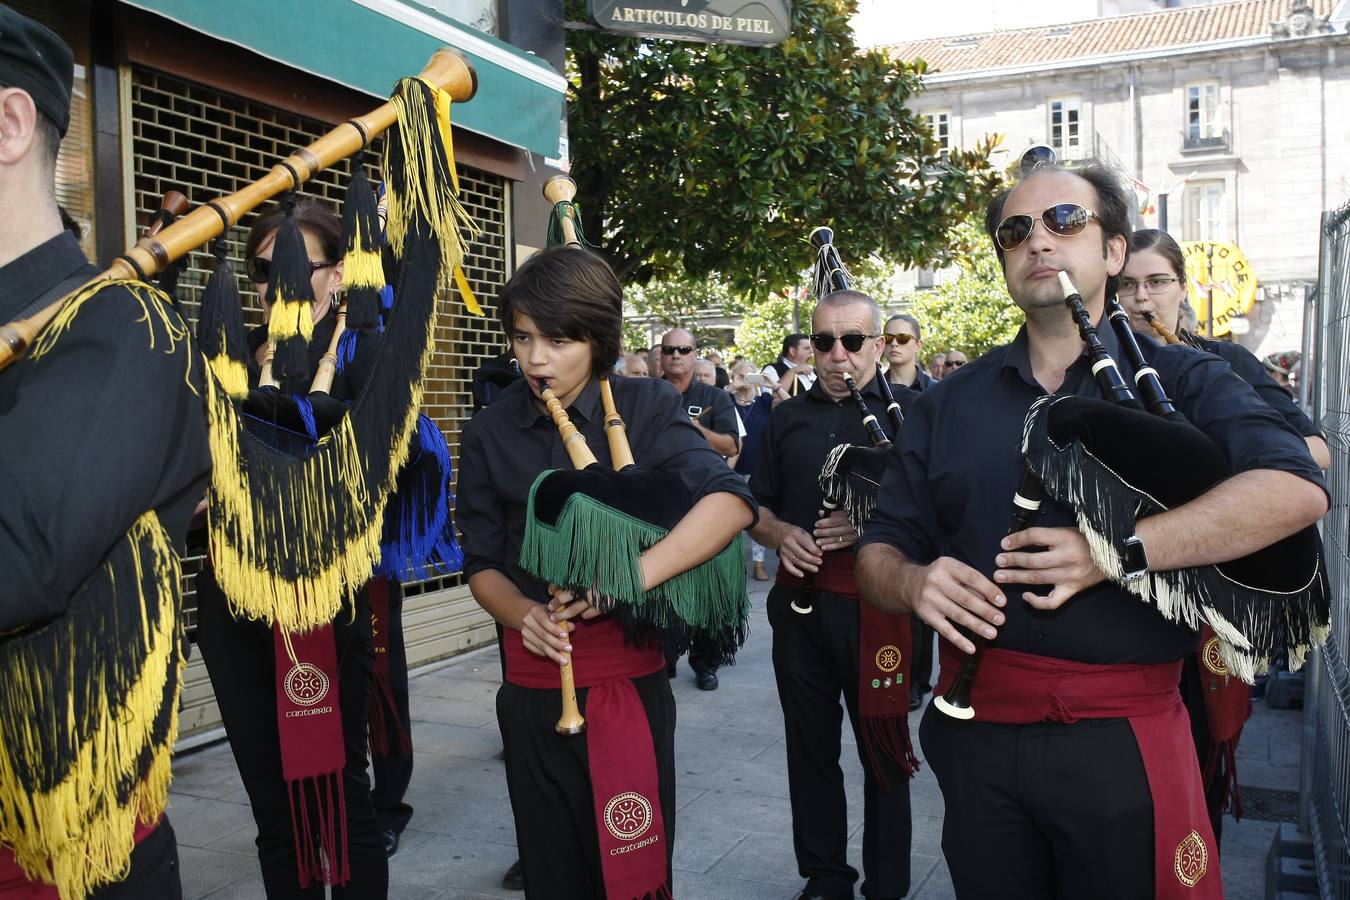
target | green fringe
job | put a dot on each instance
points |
(596, 547)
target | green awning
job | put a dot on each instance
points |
(370, 44)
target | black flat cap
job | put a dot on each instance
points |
(39, 62)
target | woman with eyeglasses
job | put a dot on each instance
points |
(1154, 282)
(240, 654)
(902, 347)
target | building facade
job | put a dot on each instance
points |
(1227, 118)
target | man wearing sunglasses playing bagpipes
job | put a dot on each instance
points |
(822, 633)
(103, 456)
(1071, 772)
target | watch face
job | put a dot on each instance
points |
(1134, 561)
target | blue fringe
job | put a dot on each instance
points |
(346, 349)
(419, 533)
(306, 410)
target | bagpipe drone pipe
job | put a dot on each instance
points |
(1114, 463)
(586, 527)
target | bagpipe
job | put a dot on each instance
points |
(851, 476)
(586, 528)
(292, 535)
(1119, 461)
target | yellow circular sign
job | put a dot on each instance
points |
(1220, 268)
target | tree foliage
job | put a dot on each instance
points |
(767, 320)
(974, 312)
(715, 158)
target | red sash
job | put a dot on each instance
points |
(883, 666)
(14, 885)
(313, 752)
(1228, 704)
(383, 708)
(625, 788)
(1021, 688)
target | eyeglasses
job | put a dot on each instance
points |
(683, 350)
(1150, 285)
(953, 364)
(902, 339)
(824, 343)
(259, 270)
(1064, 219)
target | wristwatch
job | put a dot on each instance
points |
(1134, 560)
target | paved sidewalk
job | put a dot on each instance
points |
(733, 835)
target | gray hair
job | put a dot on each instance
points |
(850, 297)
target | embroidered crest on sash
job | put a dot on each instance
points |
(888, 658)
(1213, 661)
(1191, 860)
(628, 815)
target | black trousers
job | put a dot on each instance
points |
(815, 661)
(921, 660)
(548, 776)
(154, 870)
(1043, 810)
(240, 659)
(393, 771)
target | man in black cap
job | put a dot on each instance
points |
(103, 458)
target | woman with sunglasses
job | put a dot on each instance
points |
(1154, 281)
(903, 344)
(240, 655)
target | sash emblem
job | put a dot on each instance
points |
(1191, 860)
(306, 684)
(888, 658)
(628, 815)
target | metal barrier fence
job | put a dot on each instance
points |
(1326, 777)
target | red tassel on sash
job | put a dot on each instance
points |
(313, 753)
(383, 709)
(1228, 704)
(883, 666)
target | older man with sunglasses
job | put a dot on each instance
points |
(1055, 789)
(817, 656)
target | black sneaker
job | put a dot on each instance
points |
(706, 681)
(514, 879)
(390, 843)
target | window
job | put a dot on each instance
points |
(940, 123)
(1065, 134)
(1202, 111)
(1202, 211)
(923, 279)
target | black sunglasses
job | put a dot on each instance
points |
(902, 338)
(259, 270)
(683, 350)
(953, 363)
(1064, 219)
(824, 343)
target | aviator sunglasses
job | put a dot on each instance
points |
(1064, 219)
(259, 270)
(824, 343)
(902, 339)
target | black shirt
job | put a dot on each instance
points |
(107, 425)
(801, 433)
(717, 411)
(922, 381)
(505, 446)
(1249, 369)
(949, 485)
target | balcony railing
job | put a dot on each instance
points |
(1206, 144)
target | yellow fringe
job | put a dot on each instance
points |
(362, 268)
(243, 533)
(290, 318)
(231, 373)
(466, 292)
(447, 135)
(80, 835)
(162, 321)
(441, 207)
